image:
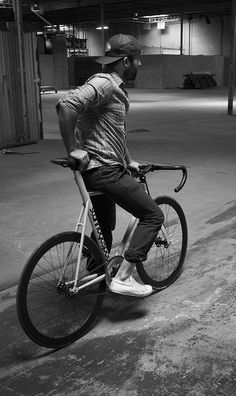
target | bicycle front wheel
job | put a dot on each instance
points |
(167, 254)
(50, 313)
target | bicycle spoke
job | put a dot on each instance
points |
(51, 312)
(166, 256)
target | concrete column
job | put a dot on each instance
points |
(18, 26)
(102, 26)
(181, 34)
(232, 59)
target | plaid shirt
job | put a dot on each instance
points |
(102, 105)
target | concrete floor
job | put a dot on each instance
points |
(181, 341)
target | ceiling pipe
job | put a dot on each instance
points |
(36, 11)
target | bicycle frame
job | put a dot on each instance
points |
(87, 211)
(80, 262)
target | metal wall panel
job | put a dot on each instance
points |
(11, 118)
(7, 117)
(33, 85)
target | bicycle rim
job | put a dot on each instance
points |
(49, 314)
(166, 256)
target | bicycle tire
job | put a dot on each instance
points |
(164, 263)
(51, 317)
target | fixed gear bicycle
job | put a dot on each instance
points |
(63, 284)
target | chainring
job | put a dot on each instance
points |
(112, 268)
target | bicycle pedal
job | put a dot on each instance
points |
(112, 267)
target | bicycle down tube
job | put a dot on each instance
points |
(87, 211)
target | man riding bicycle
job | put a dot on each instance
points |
(92, 124)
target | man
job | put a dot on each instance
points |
(92, 124)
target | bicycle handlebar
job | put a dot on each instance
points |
(73, 164)
(144, 169)
(68, 162)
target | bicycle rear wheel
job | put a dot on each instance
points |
(49, 313)
(167, 254)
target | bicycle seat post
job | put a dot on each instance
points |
(81, 185)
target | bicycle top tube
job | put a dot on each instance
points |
(73, 164)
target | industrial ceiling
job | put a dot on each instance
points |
(89, 11)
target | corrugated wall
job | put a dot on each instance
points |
(54, 67)
(33, 86)
(7, 117)
(11, 115)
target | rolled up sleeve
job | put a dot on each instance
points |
(80, 98)
(95, 92)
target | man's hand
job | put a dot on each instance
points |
(82, 157)
(134, 165)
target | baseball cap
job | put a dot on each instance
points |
(119, 46)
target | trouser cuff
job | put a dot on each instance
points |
(134, 256)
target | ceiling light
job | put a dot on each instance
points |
(35, 7)
(156, 16)
(161, 25)
(102, 27)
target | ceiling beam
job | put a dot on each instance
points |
(216, 8)
(52, 5)
(88, 11)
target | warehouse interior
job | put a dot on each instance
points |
(53, 44)
(180, 341)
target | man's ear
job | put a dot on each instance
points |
(126, 61)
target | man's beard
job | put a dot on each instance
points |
(130, 74)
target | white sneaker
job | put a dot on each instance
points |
(130, 287)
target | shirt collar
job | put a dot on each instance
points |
(118, 80)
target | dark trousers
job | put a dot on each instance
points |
(122, 189)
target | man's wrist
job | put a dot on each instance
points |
(75, 151)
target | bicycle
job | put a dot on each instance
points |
(59, 296)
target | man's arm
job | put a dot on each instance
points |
(96, 91)
(130, 162)
(67, 121)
